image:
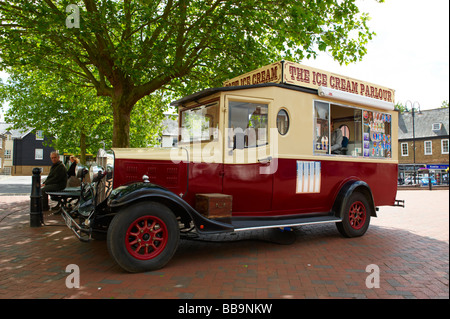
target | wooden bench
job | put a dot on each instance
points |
(66, 197)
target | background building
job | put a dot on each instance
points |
(430, 135)
(23, 150)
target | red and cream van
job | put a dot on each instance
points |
(281, 146)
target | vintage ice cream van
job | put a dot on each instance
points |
(281, 146)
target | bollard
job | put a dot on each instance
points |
(36, 217)
(429, 183)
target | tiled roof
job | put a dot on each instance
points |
(423, 123)
(15, 133)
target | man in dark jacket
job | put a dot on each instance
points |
(56, 179)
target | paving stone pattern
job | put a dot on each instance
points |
(409, 245)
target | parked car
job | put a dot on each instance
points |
(425, 180)
(410, 180)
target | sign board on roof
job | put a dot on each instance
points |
(301, 75)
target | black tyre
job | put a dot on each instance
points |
(143, 237)
(356, 216)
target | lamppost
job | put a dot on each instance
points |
(414, 131)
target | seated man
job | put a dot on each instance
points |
(336, 139)
(55, 181)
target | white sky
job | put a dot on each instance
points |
(409, 54)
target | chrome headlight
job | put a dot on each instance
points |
(81, 171)
(96, 173)
(106, 159)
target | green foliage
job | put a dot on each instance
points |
(70, 113)
(60, 109)
(128, 49)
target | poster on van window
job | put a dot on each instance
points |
(377, 134)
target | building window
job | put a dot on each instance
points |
(7, 154)
(436, 127)
(39, 154)
(404, 148)
(444, 146)
(428, 148)
(39, 135)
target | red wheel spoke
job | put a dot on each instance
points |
(131, 243)
(146, 237)
(357, 215)
(135, 234)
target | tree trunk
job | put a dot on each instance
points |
(121, 126)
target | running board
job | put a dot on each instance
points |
(245, 223)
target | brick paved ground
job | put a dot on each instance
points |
(409, 245)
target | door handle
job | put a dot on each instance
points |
(266, 160)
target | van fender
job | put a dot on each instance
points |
(346, 190)
(127, 195)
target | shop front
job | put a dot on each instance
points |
(421, 174)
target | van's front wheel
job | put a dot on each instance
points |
(355, 216)
(143, 237)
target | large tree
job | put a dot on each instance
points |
(128, 49)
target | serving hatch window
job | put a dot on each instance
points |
(343, 130)
(200, 124)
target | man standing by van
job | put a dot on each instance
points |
(55, 181)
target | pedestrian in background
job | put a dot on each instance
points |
(72, 180)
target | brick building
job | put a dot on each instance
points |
(431, 137)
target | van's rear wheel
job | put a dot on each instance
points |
(143, 237)
(356, 216)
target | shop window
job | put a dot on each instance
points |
(343, 130)
(282, 122)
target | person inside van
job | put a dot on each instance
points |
(336, 139)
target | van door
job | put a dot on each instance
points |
(247, 155)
